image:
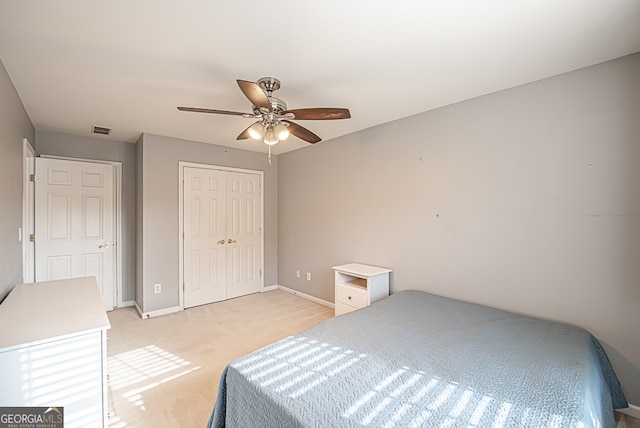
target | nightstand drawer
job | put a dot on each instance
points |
(341, 308)
(351, 295)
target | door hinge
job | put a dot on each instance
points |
(32, 177)
(260, 273)
(32, 237)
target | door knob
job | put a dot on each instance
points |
(221, 241)
(106, 245)
(231, 241)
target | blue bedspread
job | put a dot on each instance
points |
(416, 359)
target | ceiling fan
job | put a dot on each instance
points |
(274, 122)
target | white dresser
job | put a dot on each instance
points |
(53, 349)
(359, 285)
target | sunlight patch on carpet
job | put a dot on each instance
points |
(135, 372)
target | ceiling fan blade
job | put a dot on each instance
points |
(244, 134)
(302, 133)
(319, 113)
(207, 110)
(256, 94)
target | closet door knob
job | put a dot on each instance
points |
(221, 241)
(231, 241)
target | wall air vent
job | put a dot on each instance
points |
(102, 130)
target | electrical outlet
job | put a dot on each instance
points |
(157, 288)
(298, 274)
(308, 276)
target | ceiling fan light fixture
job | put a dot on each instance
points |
(256, 131)
(282, 131)
(270, 137)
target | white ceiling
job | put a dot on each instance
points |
(128, 64)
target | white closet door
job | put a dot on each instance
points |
(204, 236)
(222, 246)
(74, 223)
(244, 234)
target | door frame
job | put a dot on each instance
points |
(28, 212)
(117, 220)
(181, 166)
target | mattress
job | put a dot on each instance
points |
(417, 359)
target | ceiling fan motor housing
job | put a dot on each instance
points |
(277, 105)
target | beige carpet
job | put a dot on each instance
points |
(164, 371)
(624, 421)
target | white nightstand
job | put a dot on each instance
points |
(359, 285)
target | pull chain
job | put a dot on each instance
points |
(269, 155)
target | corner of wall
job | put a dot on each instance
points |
(139, 295)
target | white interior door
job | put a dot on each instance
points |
(74, 223)
(204, 236)
(222, 246)
(244, 242)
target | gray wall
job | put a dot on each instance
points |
(53, 143)
(157, 216)
(526, 200)
(14, 126)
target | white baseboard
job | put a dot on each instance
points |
(306, 296)
(165, 311)
(632, 410)
(151, 314)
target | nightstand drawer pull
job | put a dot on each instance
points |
(353, 296)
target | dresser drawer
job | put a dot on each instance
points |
(351, 295)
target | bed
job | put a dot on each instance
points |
(418, 359)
